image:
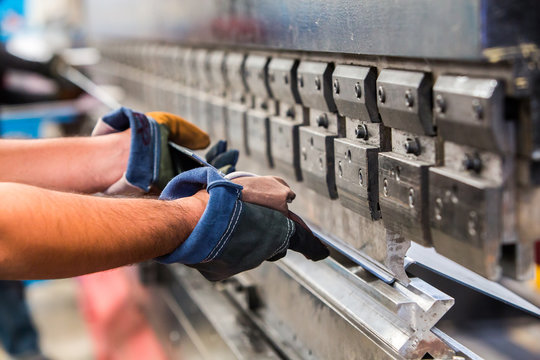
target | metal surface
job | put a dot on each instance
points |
(315, 85)
(467, 213)
(355, 92)
(403, 196)
(404, 101)
(462, 29)
(283, 82)
(336, 54)
(256, 76)
(471, 111)
(430, 259)
(399, 318)
(285, 139)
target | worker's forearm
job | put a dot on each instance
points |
(49, 234)
(83, 164)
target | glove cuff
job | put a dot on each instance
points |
(213, 229)
(145, 152)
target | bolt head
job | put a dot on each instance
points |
(381, 94)
(336, 86)
(478, 109)
(361, 132)
(358, 90)
(440, 104)
(317, 83)
(412, 147)
(409, 99)
(322, 120)
(385, 187)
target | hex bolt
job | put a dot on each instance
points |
(317, 83)
(472, 163)
(409, 98)
(440, 104)
(301, 80)
(358, 90)
(412, 146)
(336, 86)
(381, 94)
(290, 112)
(361, 132)
(322, 120)
(477, 109)
(385, 187)
(340, 169)
(411, 198)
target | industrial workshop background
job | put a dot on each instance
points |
(409, 130)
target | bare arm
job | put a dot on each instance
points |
(49, 234)
(83, 164)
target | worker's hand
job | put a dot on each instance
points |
(232, 235)
(269, 191)
(149, 165)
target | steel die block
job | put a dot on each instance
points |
(317, 160)
(258, 136)
(236, 115)
(356, 167)
(466, 219)
(284, 138)
(216, 119)
(315, 85)
(470, 111)
(404, 100)
(403, 196)
(355, 92)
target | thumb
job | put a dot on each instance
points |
(181, 131)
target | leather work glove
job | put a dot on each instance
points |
(150, 164)
(269, 191)
(232, 235)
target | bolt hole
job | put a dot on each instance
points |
(349, 155)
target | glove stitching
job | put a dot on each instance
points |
(156, 149)
(228, 232)
(221, 244)
(286, 241)
(210, 255)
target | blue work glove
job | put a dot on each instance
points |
(234, 236)
(150, 164)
